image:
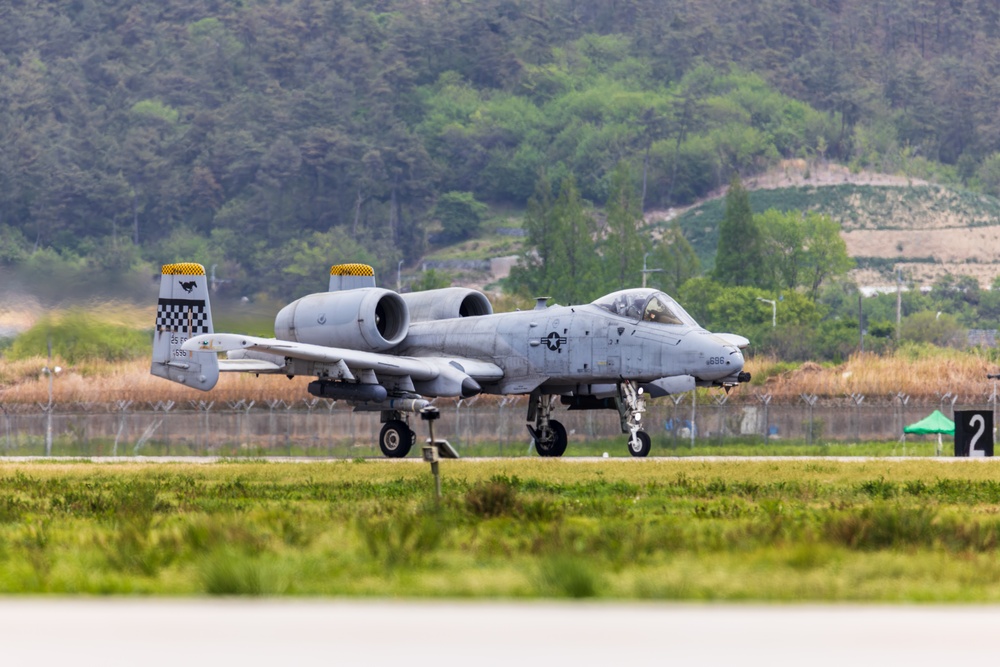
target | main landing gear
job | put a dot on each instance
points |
(549, 435)
(396, 438)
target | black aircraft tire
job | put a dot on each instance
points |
(395, 439)
(557, 445)
(641, 446)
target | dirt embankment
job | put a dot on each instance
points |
(923, 229)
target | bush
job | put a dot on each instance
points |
(496, 497)
(928, 327)
(80, 336)
(460, 215)
(566, 576)
(431, 279)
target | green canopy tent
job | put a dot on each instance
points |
(935, 422)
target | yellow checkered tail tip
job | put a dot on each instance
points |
(351, 270)
(183, 269)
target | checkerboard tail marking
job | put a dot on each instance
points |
(187, 316)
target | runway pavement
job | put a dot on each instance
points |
(186, 632)
(415, 460)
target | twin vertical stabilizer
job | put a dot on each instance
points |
(182, 312)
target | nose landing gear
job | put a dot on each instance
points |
(631, 405)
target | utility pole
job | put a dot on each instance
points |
(51, 371)
(899, 300)
(647, 271)
(861, 326)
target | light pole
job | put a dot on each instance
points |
(774, 310)
(646, 271)
(399, 281)
(51, 372)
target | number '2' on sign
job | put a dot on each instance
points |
(974, 433)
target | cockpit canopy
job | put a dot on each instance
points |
(648, 305)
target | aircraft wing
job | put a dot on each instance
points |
(419, 369)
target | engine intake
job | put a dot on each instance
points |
(371, 319)
(446, 304)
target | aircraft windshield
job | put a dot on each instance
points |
(646, 304)
(661, 308)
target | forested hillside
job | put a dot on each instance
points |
(275, 137)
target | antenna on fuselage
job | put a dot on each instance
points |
(540, 302)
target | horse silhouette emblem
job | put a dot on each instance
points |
(188, 286)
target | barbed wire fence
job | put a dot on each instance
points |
(323, 427)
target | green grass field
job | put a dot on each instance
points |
(71, 444)
(634, 529)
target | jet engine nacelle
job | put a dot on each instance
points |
(369, 319)
(447, 303)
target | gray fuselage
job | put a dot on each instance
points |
(575, 345)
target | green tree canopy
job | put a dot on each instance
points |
(460, 215)
(623, 245)
(561, 258)
(675, 259)
(801, 250)
(577, 268)
(739, 260)
(824, 253)
(930, 327)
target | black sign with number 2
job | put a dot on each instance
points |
(973, 433)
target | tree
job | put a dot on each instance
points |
(532, 273)
(577, 265)
(958, 296)
(676, 259)
(782, 239)
(623, 245)
(928, 327)
(431, 279)
(989, 174)
(697, 295)
(824, 253)
(688, 111)
(561, 259)
(306, 261)
(13, 245)
(460, 215)
(801, 250)
(739, 259)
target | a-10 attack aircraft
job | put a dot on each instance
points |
(388, 352)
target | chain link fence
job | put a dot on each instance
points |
(319, 427)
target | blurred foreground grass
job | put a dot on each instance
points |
(623, 529)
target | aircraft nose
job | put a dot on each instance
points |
(736, 358)
(727, 357)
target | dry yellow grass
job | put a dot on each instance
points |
(23, 382)
(958, 373)
(873, 375)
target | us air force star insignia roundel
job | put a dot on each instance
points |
(554, 341)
